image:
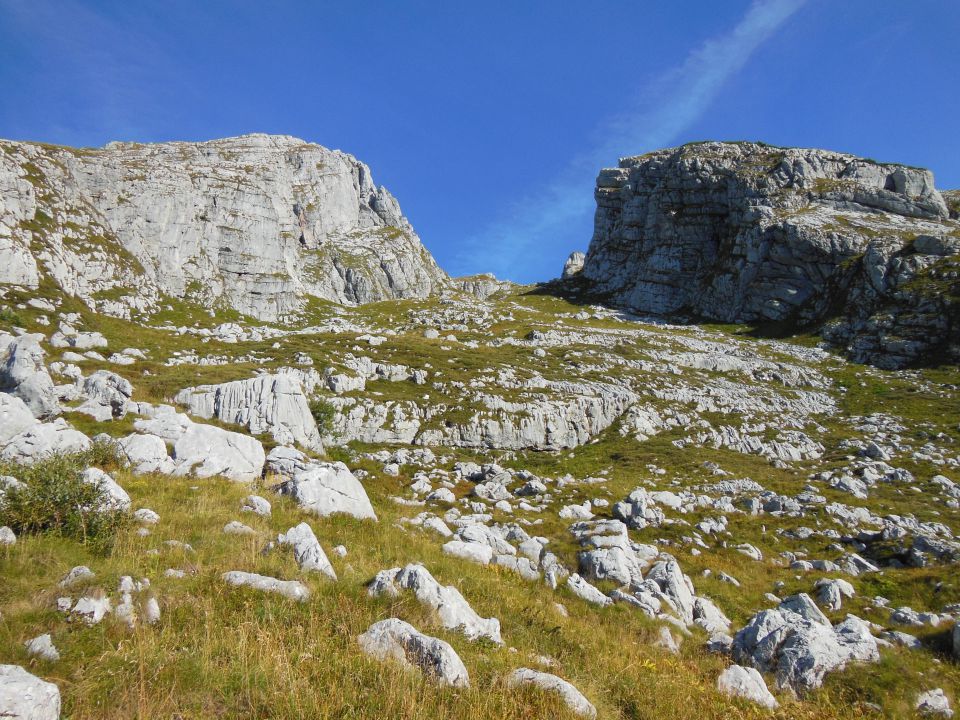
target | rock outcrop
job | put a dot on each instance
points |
(272, 404)
(744, 232)
(255, 223)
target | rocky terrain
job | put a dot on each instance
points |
(465, 497)
(749, 233)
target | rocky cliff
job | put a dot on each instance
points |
(256, 224)
(745, 232)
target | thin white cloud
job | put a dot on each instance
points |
(668, 106)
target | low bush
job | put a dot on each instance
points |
(54, 499)
(324, 413)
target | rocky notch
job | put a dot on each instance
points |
(744, 232)
(256, 223)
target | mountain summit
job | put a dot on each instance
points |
(257, 224)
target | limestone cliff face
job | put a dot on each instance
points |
(744, 232)
(256, 223)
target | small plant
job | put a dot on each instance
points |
(54, 499)
(324, 413)
(8, 316)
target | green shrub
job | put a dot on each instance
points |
(324, 413)
(9, 316)
(55, 500)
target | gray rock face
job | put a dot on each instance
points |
(551, 683)
(393, 639)
(26, 697)
(742, 232)
(269, 403)
(257, 222)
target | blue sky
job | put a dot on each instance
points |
(489, 121)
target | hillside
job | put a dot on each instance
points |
(485, 500)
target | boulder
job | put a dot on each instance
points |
(393, 639)
(801, 651)
(256, 505)
(326, 489)
(15, 417)
(473, 551)
(23, 373)
(42, 647)
(453, 610)
(585, 591)
(747, 683)
(43, 440)
(113, 497)
(290, 589)
(573, 698)
(146, 454)
(306, 550)
(107, 395)
(204, 451)
(7, 536)
(26, 697)
(934, 702)
(199, 450)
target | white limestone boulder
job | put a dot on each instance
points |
(573, 698)
(307, 551)
(325, 489)
(747, 683)
(290, 589)
(23, 373)
(451, 607)
(43, 440)
(15, 417)
(394, 639)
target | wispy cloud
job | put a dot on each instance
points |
(667, 107)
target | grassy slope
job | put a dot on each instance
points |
(222, 652)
